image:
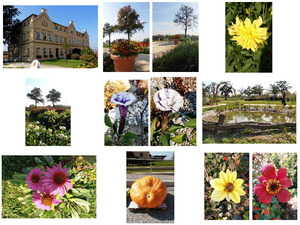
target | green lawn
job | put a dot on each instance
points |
(158, 164)
(69, 63)
(278, 102)
(106, 46)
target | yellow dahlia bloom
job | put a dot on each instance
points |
(247, 35)
(227, 186)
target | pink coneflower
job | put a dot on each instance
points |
(44, 201)
(56, 180)
(34, 180)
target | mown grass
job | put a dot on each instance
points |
(147, 171)
(183, 58)
(69, 63)
(158, 164)
(269, 102)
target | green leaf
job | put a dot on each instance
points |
(249, 62)
(28, 210)
(191, 123)
(107, 141)
(49, 160)
(79, 201)
(38, 212)
(107, 121)
(84, 192)
(152, 128)
(57, 215)
(25, 171)
(175, 127)
(194, 140)
(165, 139)
(74, 214)
(127, 137)
(258, 7)
(38, 161)
(179, 139)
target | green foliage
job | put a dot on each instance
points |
(75, 56)
(79, 202)
(224, 210)
(121, 139)
(108, 63)
(158, 137)
(86, 51)
(53, 120)
(243, 60)
(87, 58)
(145, 50)
(275, 209)
(183, 58)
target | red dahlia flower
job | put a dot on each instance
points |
(272, 184)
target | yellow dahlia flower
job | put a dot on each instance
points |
(227, 186)
(247, 35)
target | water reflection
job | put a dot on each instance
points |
(236, 117)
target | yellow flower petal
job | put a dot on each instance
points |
(217, 184)
(228, 196)
(239, 191)
(233, 177)
(228, 175)
(218, 195)
(235, 197)
(223, 177)
(238, 183)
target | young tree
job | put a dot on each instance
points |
(283, 86)
(186, 18)
(53, 96)
(226, 89)
(274, 89)
(257, 89)
(65, 47)
(36, 95)
(108, 30)
(11, 29)
(248, 91)
(128, 21)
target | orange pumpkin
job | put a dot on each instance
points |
(148, 192)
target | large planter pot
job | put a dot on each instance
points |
(176, 41)
(123, 64)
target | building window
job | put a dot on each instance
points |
(56, 38)
(45, 52)
(60, 29)
(38, 51)
(50, 37)
(38, 35)
(64, 29)
(50, 51)
(61, 52)
(56, 27)
(28, 52)
(61, 40)
(44, 36)
(69, 40)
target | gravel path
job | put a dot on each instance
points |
(154, 216)
(25, 65)
(161, 176)
(162, 47)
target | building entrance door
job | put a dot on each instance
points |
(56, 53)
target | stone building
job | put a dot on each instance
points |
(41, 38)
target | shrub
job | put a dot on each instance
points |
(87, 58)
(108, 63)
(75, 56)
(183, 58)
(145, 50)
(86, 51)
(49, 119)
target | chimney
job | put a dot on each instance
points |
(44, 10)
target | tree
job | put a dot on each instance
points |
(274, 89)
(283, 86)
(53, 96)
(108, 30)
(257, 89)
(36, 95)
(186, 18)
(65, 47)
(248, 91)
(226, 89)
(11, 28)
(128, 21)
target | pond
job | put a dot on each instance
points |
(271, 117)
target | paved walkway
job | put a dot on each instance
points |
(160, 48)
(271, 105)
(25, 65)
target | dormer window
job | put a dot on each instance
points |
(56, 27)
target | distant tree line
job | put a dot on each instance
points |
(167, 37)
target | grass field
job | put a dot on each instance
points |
(69, 63)
(159, 164)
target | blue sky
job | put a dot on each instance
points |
(110, 14)
(84, 17)
(163, 16)
(46, 84)
(169, 154)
